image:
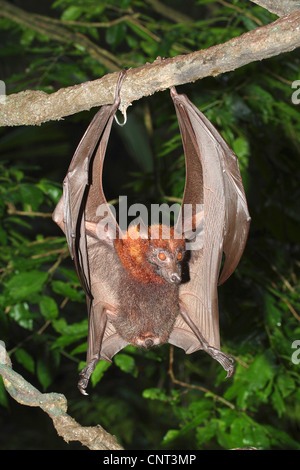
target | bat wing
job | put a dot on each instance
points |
(78, 215)
(215, 192)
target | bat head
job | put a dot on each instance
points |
(152, 255)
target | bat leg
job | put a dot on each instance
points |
(226, 361)
(85, 375)
(92, 361)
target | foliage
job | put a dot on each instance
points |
(142, 397)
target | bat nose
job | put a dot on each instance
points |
(148, 343)
(175, 278)
(147, 340)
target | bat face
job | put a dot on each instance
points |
(134, 287)
(152, 256)
(166, 264)
(166, 253)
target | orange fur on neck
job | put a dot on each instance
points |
(132, 251)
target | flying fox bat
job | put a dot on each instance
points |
(145, 287)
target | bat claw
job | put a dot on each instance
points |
(85, 376)
(231, 369)
(81, 387)
(82, 384)
(226, 361)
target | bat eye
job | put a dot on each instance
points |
(179, 256)
(162, 256)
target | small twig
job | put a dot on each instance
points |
(240, 10)
(13, 211)
(60, 251)
(28, 338)
(285, 281)
(92, 24)
(195, 387)
(291, 308)
(169, 12)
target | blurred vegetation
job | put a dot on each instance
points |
(152, 399)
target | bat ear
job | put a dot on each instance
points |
(192, 228)
(103, 231)
(137, 229)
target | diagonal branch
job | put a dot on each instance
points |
(279, 7)
(55, 405)
(36, 107)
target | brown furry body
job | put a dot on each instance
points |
(146, 310)
(148, 292)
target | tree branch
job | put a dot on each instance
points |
(279, 7)
(55, 405)
(36, 107)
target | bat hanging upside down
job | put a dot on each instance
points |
(157, 284)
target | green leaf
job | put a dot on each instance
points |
(206, 432)
(277, 401)
(47, 365)
(70, 274)
(286, 384)
(273, 313)
(23, 285)
(241, 148)
(71, 13)
(141, 32)
(48, 307)
(99, 371)
(27, 37)
(115, 34)
(255, 382)
(69, 333)
(68, 291)
(155, 394)
(31, 196)
(171, 435)
(51, 189)
(248, 433)
(280, 438)
(126, 364)
(22, 315)
(44, 373)
(24, 358)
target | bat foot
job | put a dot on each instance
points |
(82, 391)
(230, 370)
(226, 361)
(85, 375)
(82, 384)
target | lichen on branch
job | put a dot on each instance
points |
(55, 405)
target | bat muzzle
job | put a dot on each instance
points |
(175, 278)
(172, 274)
(147, 341)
